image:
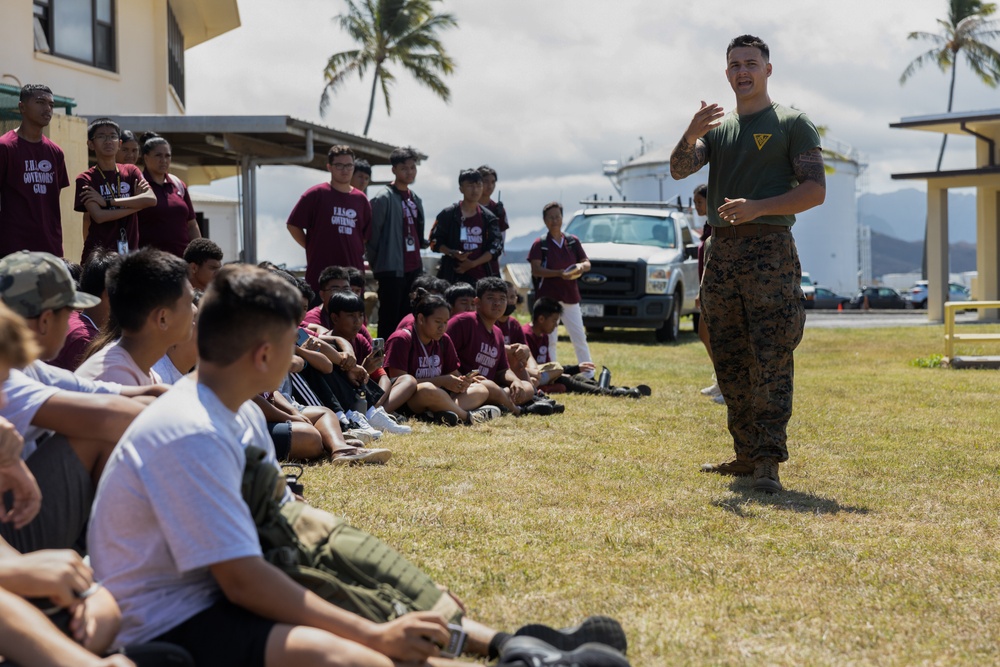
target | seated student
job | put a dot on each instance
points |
(180, 358)
(518, 355)
(345, 311)
(428, 284)
(424, 351)
(153, 304)
(461, 297)
(552, 376)
(480, 347)
(110, 195)
(86, 324)
(356, 281)
(204, 259)
(331, 280)
(175, 543)
(311, 434)
(177, 547)
(67, 434)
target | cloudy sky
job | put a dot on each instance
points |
(545, 90)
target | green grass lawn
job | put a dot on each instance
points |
(883, 549)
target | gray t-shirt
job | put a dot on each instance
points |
(169, 506)
(167, 371)
(24, 396)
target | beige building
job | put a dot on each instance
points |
(125, 59)
(125, 56)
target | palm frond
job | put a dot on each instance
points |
(928, 56)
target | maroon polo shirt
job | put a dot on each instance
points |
(511, 330)
(165, 226)
(82, 330)
(337, 226)
(405, 352)
(558, 258)
(478, 348)
(121, 182)
(537, 343)
(472, 237)
(31, 176)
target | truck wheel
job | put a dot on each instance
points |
(671, 328)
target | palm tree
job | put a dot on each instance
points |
(967, 30)
(402, 32)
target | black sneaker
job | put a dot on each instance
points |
(594, 629)
(447, 417)
(644, 389)
(537, 408)
(531, 652)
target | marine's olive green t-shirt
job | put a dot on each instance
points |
(750, 157)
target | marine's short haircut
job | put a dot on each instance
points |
(701, 191)
(490, 284)
(362, 166)
(469, 176)
(355, 278)
(487, 170)
(458, 291)
(401, 155)
(333, 273)
(749, 41)
(142, 282)
(18, 346)
(337, 150)
(98, 123)
(94, 279)
(425, 303)
(244, 306)
(201, 250)
(551, 205)
(345, 302)
(544, 307)
(30, 90)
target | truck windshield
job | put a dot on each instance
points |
(624, 228)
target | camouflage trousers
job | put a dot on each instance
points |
(751, 300)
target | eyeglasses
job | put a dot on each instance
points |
(342, 165)
(106, 137)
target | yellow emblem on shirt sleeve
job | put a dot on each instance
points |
(761, 139)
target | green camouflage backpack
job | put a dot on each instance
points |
(343, 565)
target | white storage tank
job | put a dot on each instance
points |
(826, 237)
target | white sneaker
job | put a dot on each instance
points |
(362, 455)
(484, 414)
(719, 400)
(713, 390)
(363, 425)
(381, 420)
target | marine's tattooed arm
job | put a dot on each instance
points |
(687, 159)
(808, 166)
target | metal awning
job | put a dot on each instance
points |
(212, 147)
(958, 122)
(10, 95)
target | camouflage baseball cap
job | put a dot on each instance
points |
(33, 282)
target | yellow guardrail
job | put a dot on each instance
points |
(950, 337)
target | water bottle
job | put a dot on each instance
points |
(604, 380)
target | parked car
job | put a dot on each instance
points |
(879, 298)
(917, 295)
(825, 299)
(808, 288)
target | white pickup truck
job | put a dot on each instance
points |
(644, 265)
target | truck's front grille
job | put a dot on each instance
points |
(621, 280)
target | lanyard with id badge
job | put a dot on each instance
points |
(122, 237)
(410, 212)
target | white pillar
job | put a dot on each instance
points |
(937, 251)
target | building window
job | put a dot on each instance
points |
(175, 55)
(80, 30)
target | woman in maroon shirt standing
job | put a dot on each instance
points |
(171, 224)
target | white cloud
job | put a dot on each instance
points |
(544, 91)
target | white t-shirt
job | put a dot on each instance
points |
(166, 370)
(169, 505)
(61, 378)
(114, 364)
(24, 396)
